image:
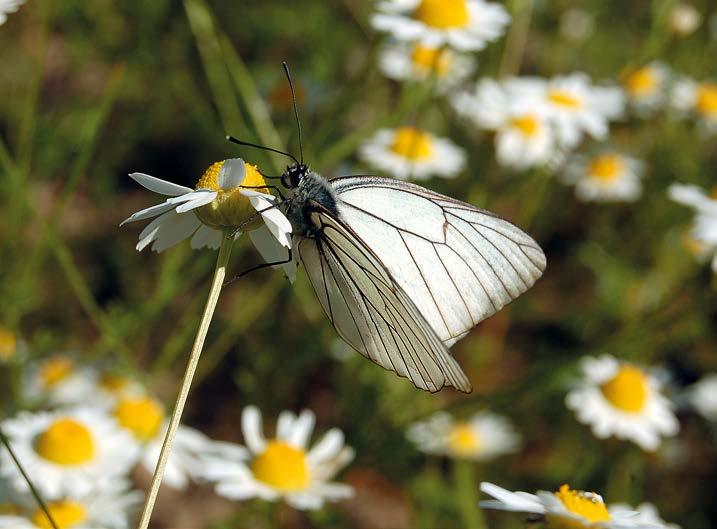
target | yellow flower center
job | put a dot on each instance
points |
(641, 82)
(429, 59)
(463, 440)
(564, 99)
(282, 466)
(443, 14)
(606, 168)
(142, 416)
(230, 209)
(66, 514)
(587, 505)
(7, 344)
(66, 442)
(527, 124)
(55, 370)
(707, 99)
(627, 390)
(412, 143)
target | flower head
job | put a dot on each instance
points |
(703, 236)
(565, 509)
(698, 99)
(622, 400)
(606, 177)
(403, 61)
(462, 24)
(282, 467)
(107, 508)
(59, 381)
(408, 152)
(227, 198)
(647, 87)
(481, 437)
(70, 452)
(144, 418)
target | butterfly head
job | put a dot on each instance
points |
(294, 174)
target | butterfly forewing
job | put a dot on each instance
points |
(459, 264)
(370, 311)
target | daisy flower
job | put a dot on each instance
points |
(565, 509)
(698, 99)
(59, 381)
(71, 452)
(703, 397)
(622, 400)
(8, 6)
(523, 136)
(283, 467)
(402, 61)
(482, 437)
(408, 152)
(144, 418)
(462, 24)
(572, 104)
(225, 200)
(646, 87)
(646, 513)
(107, 508)
(605, 177)
(702, 240)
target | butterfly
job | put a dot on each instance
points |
(403, 272)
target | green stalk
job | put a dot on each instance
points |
(466, 493)
(216, 287)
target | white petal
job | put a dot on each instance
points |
(285, 423)
(511, 501)
(206, 237)
(197, 199)
(160, 186)
(232, 174)
(329, 446)
(175, 230)
(272, 251)
(251, 428)
(302, 429)
(148, 213)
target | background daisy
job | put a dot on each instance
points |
(606, 177)
(283, 467)
(622, 400)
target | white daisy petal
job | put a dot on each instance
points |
(148, 213)
(197, 199)
(160, 186)
(301, 429)
(328, 448)
(252, 430)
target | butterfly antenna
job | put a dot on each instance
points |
(296, 110)
(263, 147)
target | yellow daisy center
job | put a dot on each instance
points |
(426, 58)
(564, 99)
(141, 416)
(66, 514)
(641, 82)
(627, 390)
(282, 466)
(55, 370)
(412, 143)
(66, 442)
(606, 168)
(231, 209)
(527, 124)
(443, 14)
(7, 344)
(463, 440)
(707, 99)
(587, 505)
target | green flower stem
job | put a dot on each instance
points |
(5, 441)
(466, 493)
(217, 282)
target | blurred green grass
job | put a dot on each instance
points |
(94, 90)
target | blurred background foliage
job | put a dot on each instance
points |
(94, 90)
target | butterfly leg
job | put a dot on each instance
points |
(261, 266)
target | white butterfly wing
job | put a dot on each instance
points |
(371, 312)
(459, 264)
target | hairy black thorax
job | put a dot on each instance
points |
(310, 191)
